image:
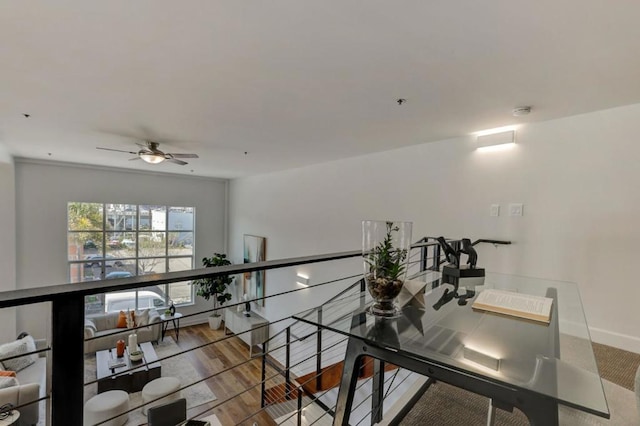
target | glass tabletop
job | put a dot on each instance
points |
(554, 359)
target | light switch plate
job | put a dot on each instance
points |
(495, 210)
(516, 209)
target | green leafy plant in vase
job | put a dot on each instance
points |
(215, 288)
(385, 246)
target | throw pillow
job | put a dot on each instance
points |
(16, 348)
(31, 345)
(142, 317)
(122, 320)
(7, 382)
(6, 373)
(90, 324)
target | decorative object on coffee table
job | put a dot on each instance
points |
(129, 375)
(133, 343)
(120, 345)
(385, 249)
(215, 287)
(136, 356)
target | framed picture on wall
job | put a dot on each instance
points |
(253, 282)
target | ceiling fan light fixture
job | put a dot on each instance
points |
(152, 157)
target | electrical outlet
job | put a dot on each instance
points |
(495, 210)
(516, 209)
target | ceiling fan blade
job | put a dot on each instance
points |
(174, 155)
(173, 160)
(134, 158)
(117, 150)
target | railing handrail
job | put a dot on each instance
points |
(418, 244)
(40, 294)
(27, 296)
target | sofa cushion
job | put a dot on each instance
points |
(122, 320)
(7, 382)
(106, 336)
(142, 317)
(17, 347)
(90, 324)
(35, 373)
(104, 321)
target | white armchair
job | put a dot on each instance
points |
(32, 382)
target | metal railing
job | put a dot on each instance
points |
(279, 369)
(328, 349)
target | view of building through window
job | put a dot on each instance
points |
(107, 241)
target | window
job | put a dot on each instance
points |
(107, 241)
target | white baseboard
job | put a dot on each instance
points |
(617, 340)
(604, 337)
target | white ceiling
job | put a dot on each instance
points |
(297, 82)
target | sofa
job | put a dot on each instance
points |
(104, 324)
(31, 384)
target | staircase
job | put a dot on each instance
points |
(310, 359)
(311, 363)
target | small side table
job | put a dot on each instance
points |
(175, 319)
(12, 418)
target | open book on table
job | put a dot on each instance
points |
(536, 308)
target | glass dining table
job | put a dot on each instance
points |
(518, 363)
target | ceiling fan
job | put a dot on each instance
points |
(151, 154)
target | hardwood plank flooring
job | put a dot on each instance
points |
(238, 389)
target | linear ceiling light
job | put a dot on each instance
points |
(500, 139)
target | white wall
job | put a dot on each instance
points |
(43, 190)
(577, 177)
(7, 241)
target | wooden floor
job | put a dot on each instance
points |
(238, 389)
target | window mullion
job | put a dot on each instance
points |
(103, 268)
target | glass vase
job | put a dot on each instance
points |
(385, 250)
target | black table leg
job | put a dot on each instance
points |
(176, 327)
(165, 324)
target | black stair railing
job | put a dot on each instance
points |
(430, 258)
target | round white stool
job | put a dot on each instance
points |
(160, 387)
(106, 405)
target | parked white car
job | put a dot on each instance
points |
(114, 302)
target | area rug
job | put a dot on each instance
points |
(178, 366)
(446, 405)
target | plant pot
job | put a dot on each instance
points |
(385, 249)
(215, 322)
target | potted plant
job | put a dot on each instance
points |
(215, 287)
(385, 247)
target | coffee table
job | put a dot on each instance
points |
(131, 379)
